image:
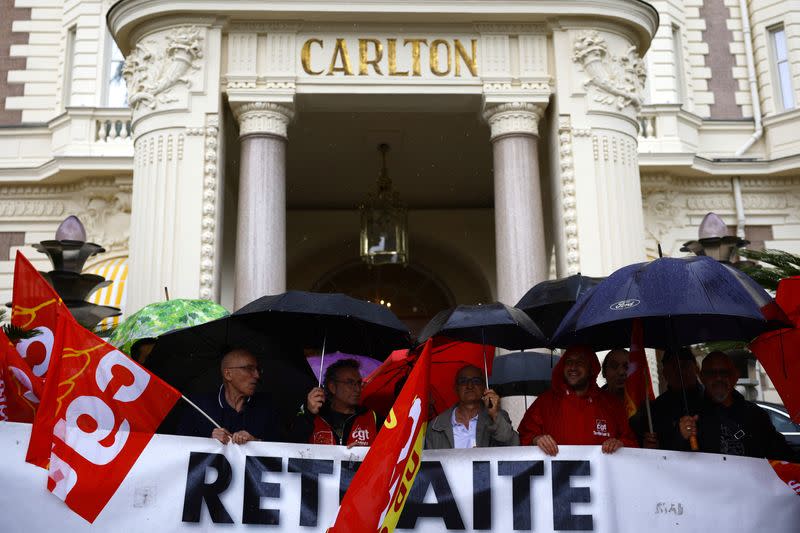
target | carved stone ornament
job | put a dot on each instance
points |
(568, 196)
(208, 244)
(107, 217)
(152, 72)
(513, 118)
(264, 117)
(619, 79)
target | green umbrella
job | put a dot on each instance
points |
(161, 317)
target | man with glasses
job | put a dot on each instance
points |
(726, 422)
(334, 415)
(476, 421)
(244, 416)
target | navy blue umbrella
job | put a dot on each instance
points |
(548, 302)
(681, 301)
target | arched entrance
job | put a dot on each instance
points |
(413, 293)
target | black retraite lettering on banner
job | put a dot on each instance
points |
(209, 476)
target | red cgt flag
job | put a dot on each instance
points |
(779, 351)
(98, 412)
(20, 390)
(638, 385)
(378, 491)
(789, 473)
(35, 305)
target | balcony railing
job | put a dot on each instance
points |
(110, 130)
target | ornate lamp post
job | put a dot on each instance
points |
(384, 223)
(68, 253)
(714, 240)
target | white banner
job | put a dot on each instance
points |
(192, 484)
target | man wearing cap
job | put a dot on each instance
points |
(727, 423)
(476, 421)
(683, 390)
(575, 410)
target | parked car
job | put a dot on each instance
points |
(780, 419)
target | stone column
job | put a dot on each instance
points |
(599, 81)
(519, 225)
(173, 74)
(261, 218)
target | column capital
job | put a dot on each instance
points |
(513, 118)
(263, 117)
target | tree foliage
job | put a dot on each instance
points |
(16, 333)
(776, 265)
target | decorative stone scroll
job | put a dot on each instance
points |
(619, 79)
(151, 71)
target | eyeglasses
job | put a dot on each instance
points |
(352, 383)
(719, 373)
(476, 381)
(250, 369)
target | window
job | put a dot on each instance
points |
(69, 62)
(116, 89)
(782, 422)
(785, 92)
(677, 51)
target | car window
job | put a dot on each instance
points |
(782, 422)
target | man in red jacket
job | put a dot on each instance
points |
(334, 415)
(575, 410)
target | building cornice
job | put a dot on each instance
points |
(126, 15)
(692, 165)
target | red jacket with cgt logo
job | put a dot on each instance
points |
(571, 419)
(360, 430)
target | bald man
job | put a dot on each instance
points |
(729, 424)
(244, 416)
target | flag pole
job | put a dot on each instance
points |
(647, 397)
(322, 358)
(190, 402)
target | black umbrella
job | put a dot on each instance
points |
(494, 324)
(549, 301)
(276, 329)
(189, 360)
(334, 321)
(522, 373)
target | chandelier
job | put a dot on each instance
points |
(384, 222)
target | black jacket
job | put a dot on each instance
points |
(741, 429)
(666, 410)
(258, 417)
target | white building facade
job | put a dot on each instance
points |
(529, 139)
